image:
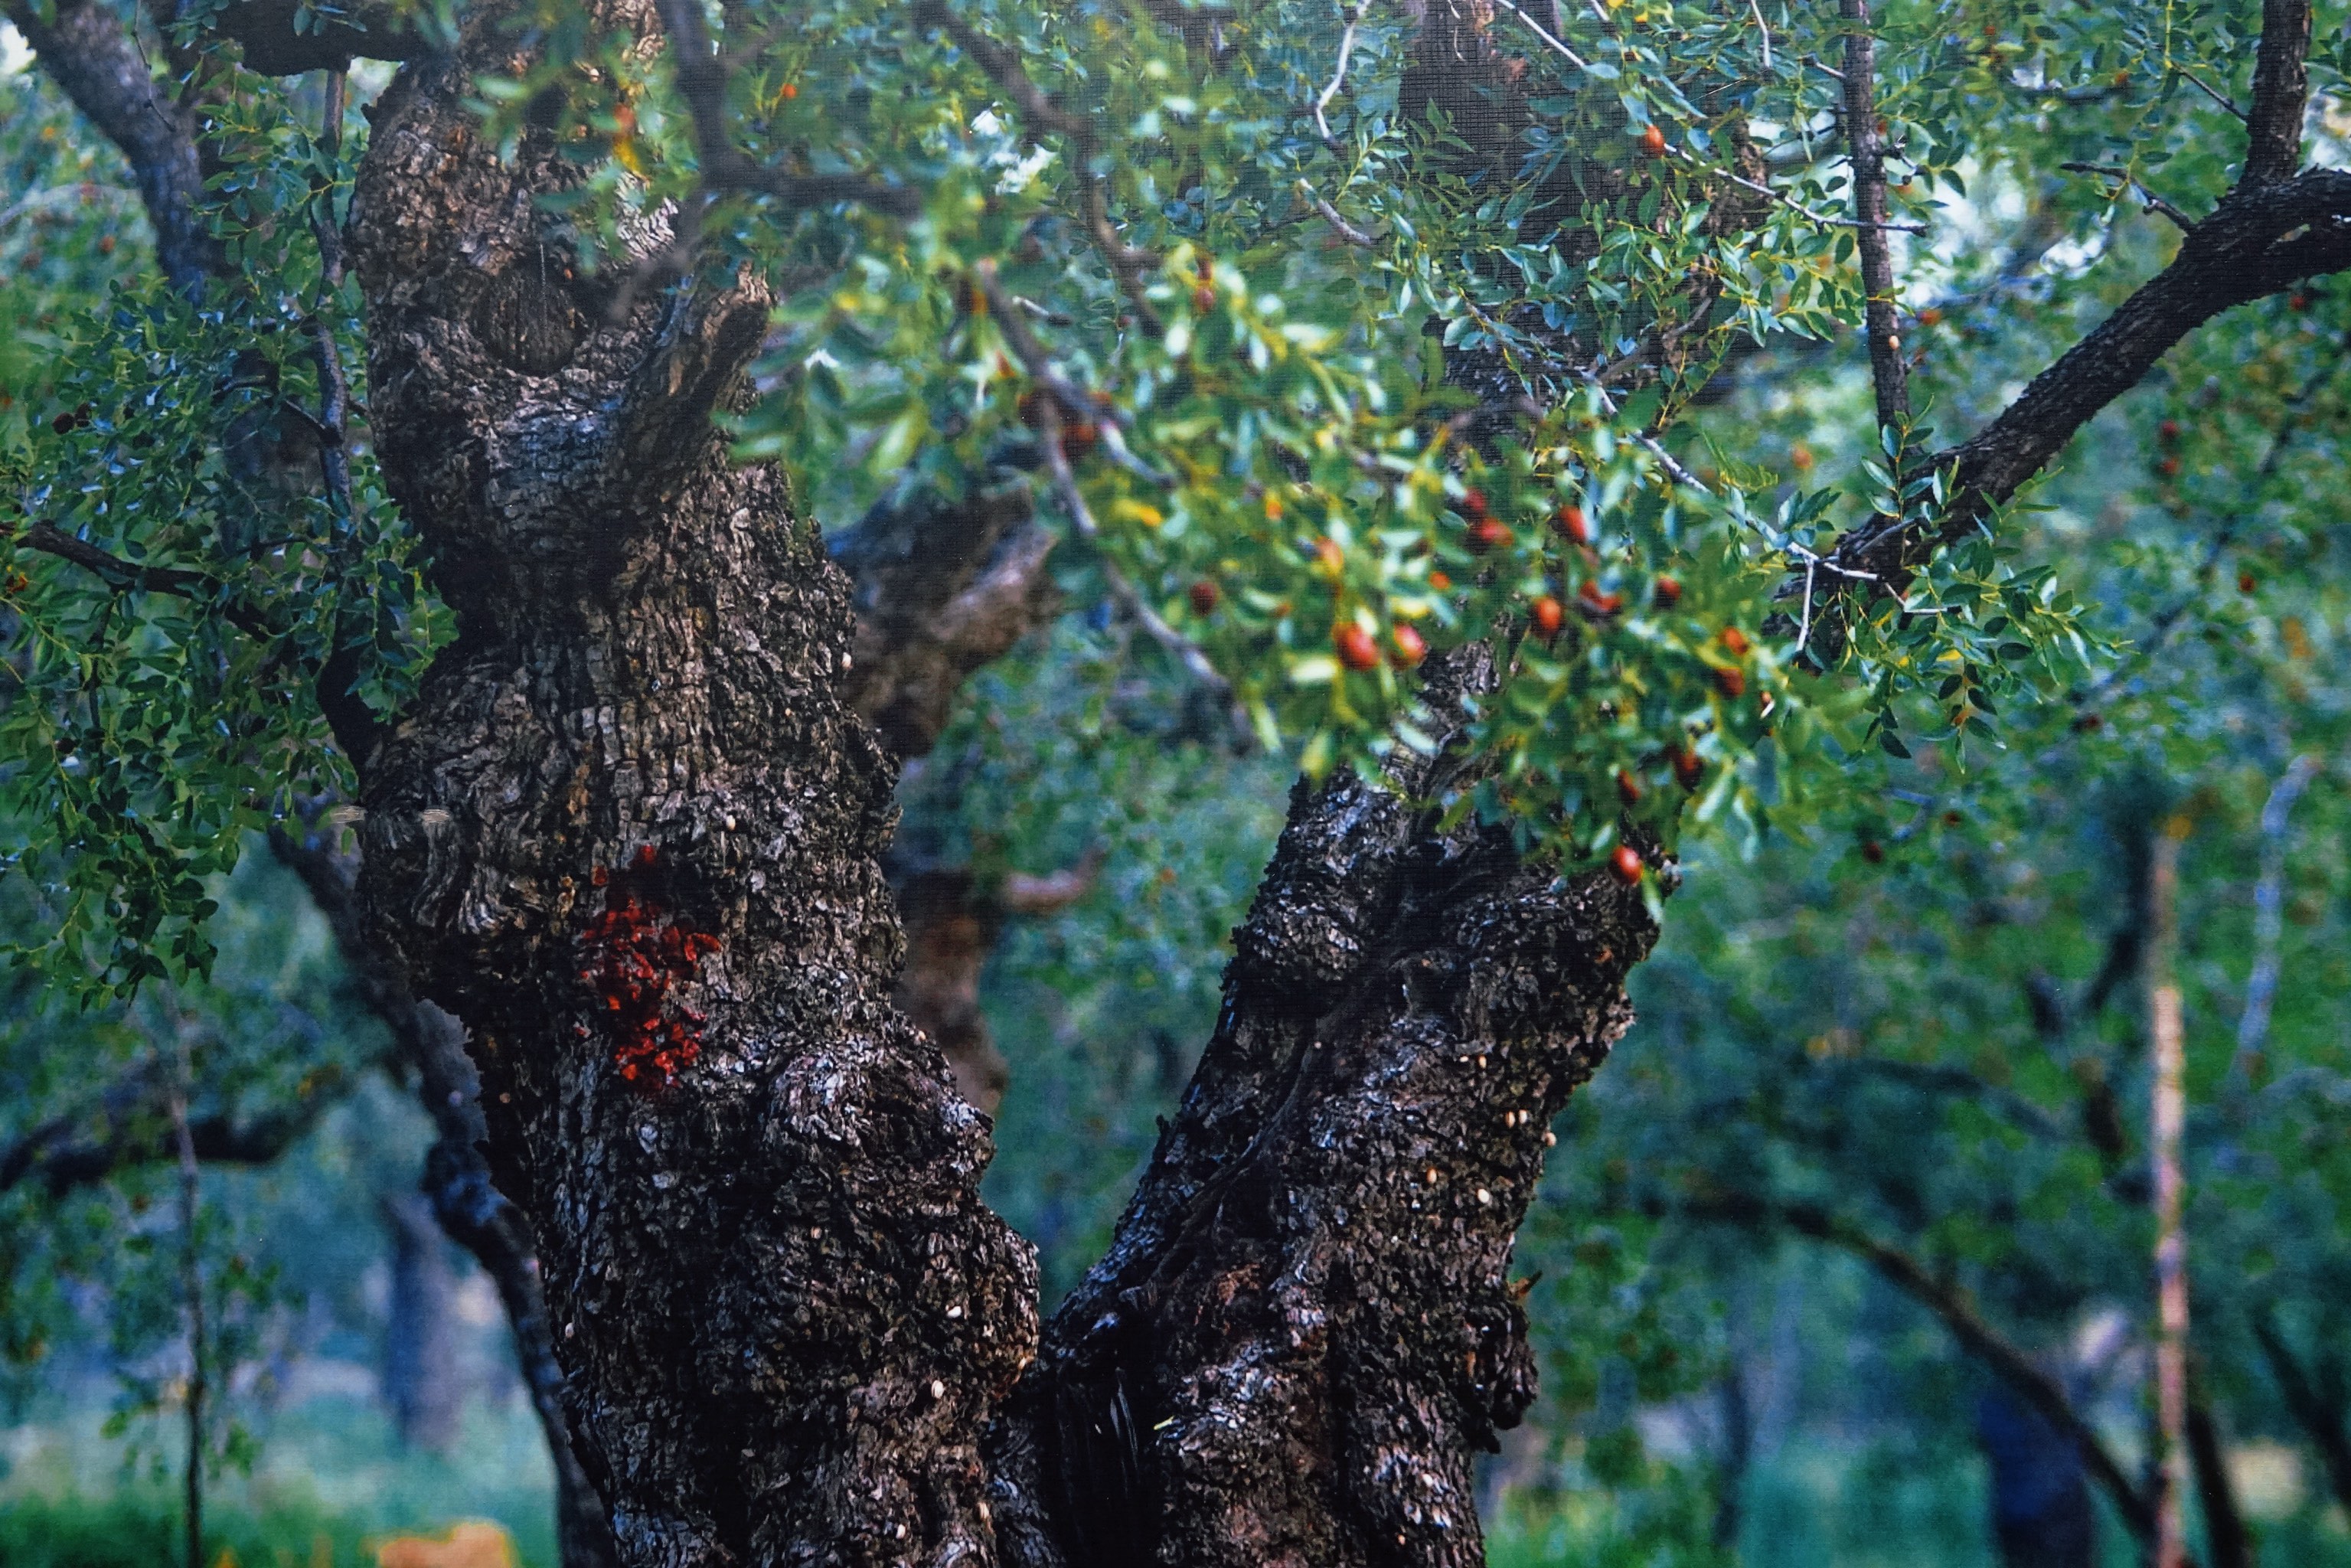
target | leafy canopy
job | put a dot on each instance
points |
(1325, 372)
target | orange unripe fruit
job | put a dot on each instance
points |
(1730, 683)
(1486, 534)
(1574, 524)
(1600, 604)
(1735, 641)
(1548, 616)
(1411, 647)
(1653, 141)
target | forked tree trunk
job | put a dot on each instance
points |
(629, 832)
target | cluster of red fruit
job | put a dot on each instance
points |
(1358, 650)
(635, 956)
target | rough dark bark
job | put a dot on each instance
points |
(1305, 1324)
(782, 1308)
(631, 831)
(87, 51)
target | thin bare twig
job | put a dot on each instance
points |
(1826, 220)
(720, 164)
(1130, 599)
(124, 576)
(2268, 908)
(1543, 33)
(1339, 225)
(1338, 74)
(2214, 93)
(2154, 203)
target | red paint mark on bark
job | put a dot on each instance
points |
(636, 955)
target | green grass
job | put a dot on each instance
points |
(331, 1481)
(141, 1530)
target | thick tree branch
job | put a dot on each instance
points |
(276, 46)
(86, 50)
(1304, 1321)
(1889, 374)
(130, 1125)
(2281, 92)
(943, 587)
(2256, 242)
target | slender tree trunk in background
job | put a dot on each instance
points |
(2169, 1118)
(2226, 1537)
(1737, 1417)
(192, 1292)
(2041, 1516)
(420, 1372)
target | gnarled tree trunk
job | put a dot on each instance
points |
(630, 832)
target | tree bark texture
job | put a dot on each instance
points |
(1304, 1327)
(456, 1182)
(630, 832)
